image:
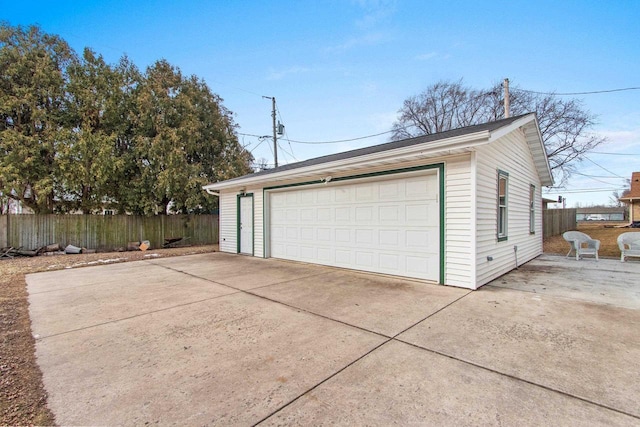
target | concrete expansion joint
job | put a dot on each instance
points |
(362, 356)
(40, 338)
(504, 374)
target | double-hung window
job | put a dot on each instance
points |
(532, 209)
(503, 199)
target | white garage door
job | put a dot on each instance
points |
(387, 226)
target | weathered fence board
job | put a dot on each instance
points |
(557, 221)
(107, 232)
(3, 231)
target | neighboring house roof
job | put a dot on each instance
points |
(449, 142)
(634, 194)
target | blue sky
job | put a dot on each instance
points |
(341, 69)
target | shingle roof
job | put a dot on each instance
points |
(635, 187)
(388, 146)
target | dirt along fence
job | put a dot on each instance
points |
(105, 232)
(557, 221)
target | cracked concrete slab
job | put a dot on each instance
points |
(223, 339)
(584, 349)
(607, 281)
(400, 384)
(230, 360)
(381, 304)
(84, 297)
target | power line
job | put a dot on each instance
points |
(599, 180)
(604, 169)
(340, 140)
(594, 176)
(286, 152)
(286, 135)
(578, 93)
(442, 113)
(615, 154)
(256, 136)
(584, 190)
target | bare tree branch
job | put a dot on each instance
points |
(564, 124)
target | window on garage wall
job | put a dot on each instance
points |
(503, 199)
(532, 209)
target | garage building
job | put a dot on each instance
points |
(457, 208)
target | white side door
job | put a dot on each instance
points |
(245, 226)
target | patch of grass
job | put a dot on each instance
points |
(606, 233)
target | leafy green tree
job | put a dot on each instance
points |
(77, 134)
(32, 91)
(88, 159)
(184, 139)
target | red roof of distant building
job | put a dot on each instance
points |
(635, 188)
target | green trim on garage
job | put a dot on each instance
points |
(253, 232)
(438, 166)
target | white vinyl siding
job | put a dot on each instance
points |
(258, 222)
(509, 153)
(459, 248)
(472, 253)
(228, 222)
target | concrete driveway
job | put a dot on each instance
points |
(230, 340)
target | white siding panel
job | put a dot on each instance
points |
(509, 154)
(458, 217)
(258, 222)
(228, 222)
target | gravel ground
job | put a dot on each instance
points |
(23, 400)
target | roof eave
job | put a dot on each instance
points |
(531, 128)
(427, 148)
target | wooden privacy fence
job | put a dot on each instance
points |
(557, 221)
(105, 232)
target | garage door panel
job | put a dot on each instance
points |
(389, 226)
(343, 257)
(342, 214)
(307, 252)
(419, 239)
(364, 260)
(388, 191)
(365, 237)
(364, 213)
(324, 214)
(323, 235)
(389, 238)
(389, 213)
(307, 215)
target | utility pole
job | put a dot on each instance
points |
(275, 136)
(506, 99)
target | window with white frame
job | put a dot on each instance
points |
(503, 199)
(532, 209)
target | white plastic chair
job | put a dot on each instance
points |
(629, 244)
(582, 244)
